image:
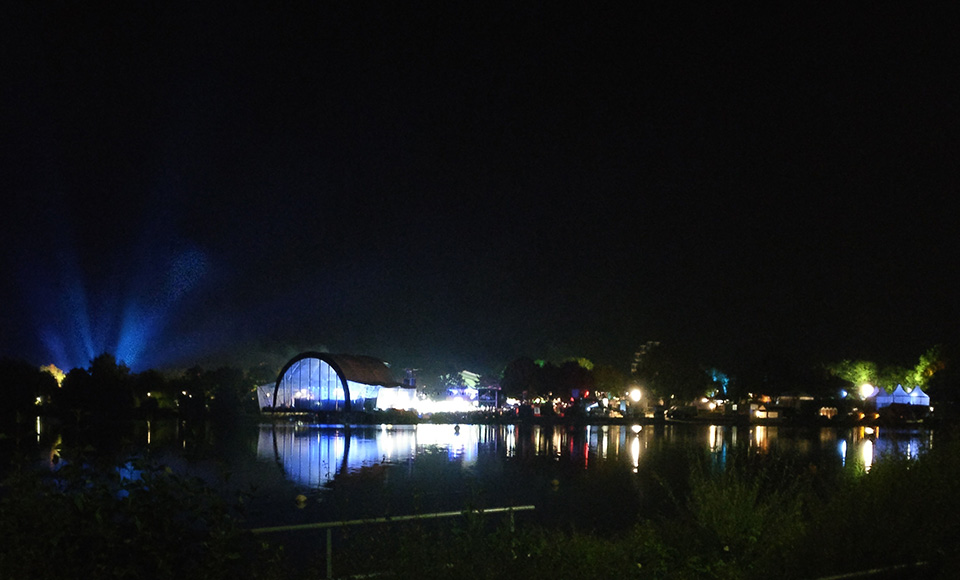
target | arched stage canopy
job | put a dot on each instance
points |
(316, 381)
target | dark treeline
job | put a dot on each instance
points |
(670, 372)
(525, 378)
(108, 389)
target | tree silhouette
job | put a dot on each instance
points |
(669, 371)
(520, 376)
(20, 385)
(573, 378)
(106, 389)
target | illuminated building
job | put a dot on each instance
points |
(314, 381)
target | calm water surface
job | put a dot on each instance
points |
(297, 472)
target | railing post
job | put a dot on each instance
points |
(330, 553)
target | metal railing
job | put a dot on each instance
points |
(329, 526)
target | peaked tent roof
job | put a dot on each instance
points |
(900, 395)
(918, 397)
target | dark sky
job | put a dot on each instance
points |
(459, 184)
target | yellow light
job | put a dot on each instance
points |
(866, 390)
(635, 395)
(866, 452)
(58, 374)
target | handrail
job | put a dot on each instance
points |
(876, 571)
(337, 524)
(330, 525)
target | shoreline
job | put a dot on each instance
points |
(490, 418)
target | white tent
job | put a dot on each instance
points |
(883, 398)
(901, 397)
(918, 397)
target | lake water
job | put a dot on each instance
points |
(295, 472)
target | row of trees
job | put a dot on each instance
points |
(667, 372)
(858, 372)
(109, 389)
(664, 372)
(525, 378)
(937, 372)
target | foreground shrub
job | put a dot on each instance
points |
(902, 512)
(771, 517)
(150, 523)
(741, 522)
(473, 550)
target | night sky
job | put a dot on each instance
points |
(456, 185)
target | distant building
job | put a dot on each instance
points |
(314, 381)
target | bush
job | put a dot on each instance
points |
(482, 549)
(771, 517)
(132, 523)
(741, 522)
(900, 513)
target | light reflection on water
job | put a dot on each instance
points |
(313, 456)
